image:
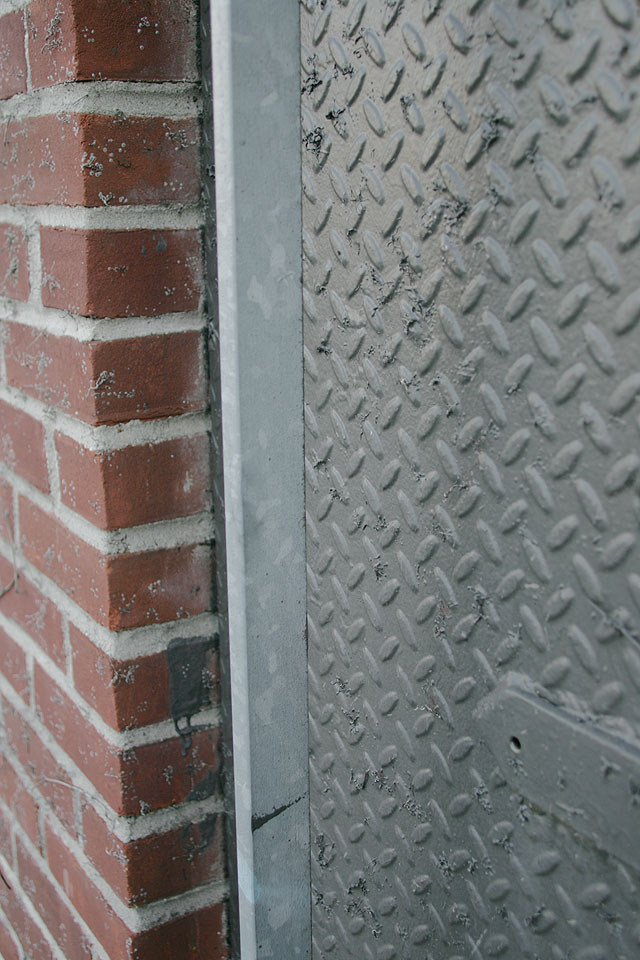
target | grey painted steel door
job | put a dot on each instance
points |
(472, 348)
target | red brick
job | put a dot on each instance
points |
(158, 775)
(111, 40)
(109, 381)
(26, 606)
(13, 665)
(31, 939)
(126, 693)
(78, 568)
(6, 510)
(123, 488)
(95, 159)
(159, 586)
(49, 778)
(50, 907)
(19, 800)
(14, 266)
(82, 743)
(148, 377)
(112, 933)
(51, 33)
(8, 947)
(198, 936)
(38, 161)
(135, 780)
(121, 273)
(144, 160)
(22, 445)
(158, 866)
(13, 65)
(120, 591)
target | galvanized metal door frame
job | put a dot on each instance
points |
(256, 104)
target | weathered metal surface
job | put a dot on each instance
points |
(258, 216)
(579, 772)
(472, 346)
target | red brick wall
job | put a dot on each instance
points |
(111, 828)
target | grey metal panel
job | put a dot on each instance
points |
(472, 346)
(258, 199)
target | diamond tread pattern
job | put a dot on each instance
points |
(471, 231)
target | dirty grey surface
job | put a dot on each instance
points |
(472, 346)
(258, 201)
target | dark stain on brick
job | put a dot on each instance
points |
(188, 690)
(196, 841)
(204, 788)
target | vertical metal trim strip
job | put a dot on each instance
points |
(210, 307)
(256, 101)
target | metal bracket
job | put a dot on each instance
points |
(188, 690)
(566, 764)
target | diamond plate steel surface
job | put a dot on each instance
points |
(472, 354)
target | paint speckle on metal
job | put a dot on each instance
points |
(470, 234)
